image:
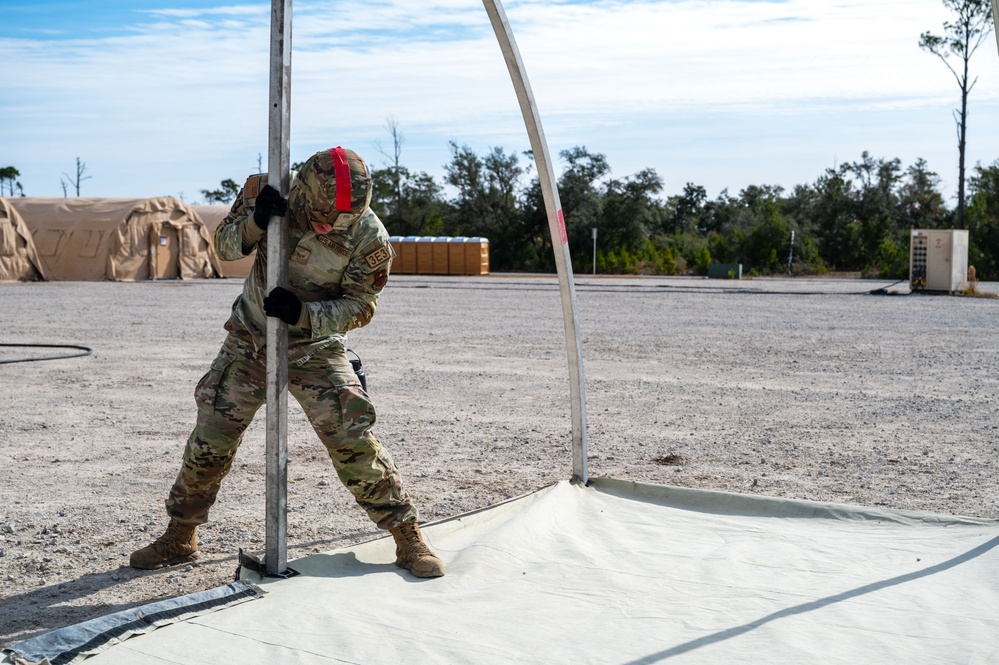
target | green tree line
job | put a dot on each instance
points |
(854, 217)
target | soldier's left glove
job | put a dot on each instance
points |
(269, 204)
(283, 304)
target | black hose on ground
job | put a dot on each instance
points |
(883, 291)
(86, 351)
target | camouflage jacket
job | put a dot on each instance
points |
(338, 276)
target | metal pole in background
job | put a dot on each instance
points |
(790, 253)
(594, 251)
(556, 224)
(278, 176)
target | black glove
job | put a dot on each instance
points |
(269, 203)
(284, 305)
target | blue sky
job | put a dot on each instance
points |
(168, 97)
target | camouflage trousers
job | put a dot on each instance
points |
(340, 412)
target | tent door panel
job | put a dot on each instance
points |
(167, 253)
(194, 253)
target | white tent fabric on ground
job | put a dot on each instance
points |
(118, 239)
(620, 572)
(212, 215)
(19, 260)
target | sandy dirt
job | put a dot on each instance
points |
(811, 389)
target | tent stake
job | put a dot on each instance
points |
(556, 224)
(278, 176)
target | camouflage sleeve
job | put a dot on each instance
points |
(362, 282)
(237, 234)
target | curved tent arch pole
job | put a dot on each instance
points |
(278, 176)
(995, 21)
(556, 224)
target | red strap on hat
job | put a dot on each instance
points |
(341, 173)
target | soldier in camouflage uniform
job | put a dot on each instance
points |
(340, 260)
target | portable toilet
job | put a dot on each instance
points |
(405, 256)
(476, 256)
(424, 255)
(439, 246)
(456, 256)
(396, 242)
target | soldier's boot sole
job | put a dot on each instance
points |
(426, 567)
(156, 565)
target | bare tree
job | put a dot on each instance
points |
(392, 127)
(81, 168)
(961, 39)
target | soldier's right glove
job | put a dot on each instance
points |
(269, 204)
(283, 304)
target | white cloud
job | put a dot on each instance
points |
(234, 10)
(182, 92)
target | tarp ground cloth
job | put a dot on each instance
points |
(620, 572)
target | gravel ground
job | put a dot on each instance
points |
(811, 389)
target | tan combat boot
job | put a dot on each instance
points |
(413, 554)
(178, 545)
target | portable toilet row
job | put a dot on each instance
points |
(440, 255)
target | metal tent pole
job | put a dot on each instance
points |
(278, 176)
(556, 224)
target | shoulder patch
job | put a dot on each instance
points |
(253, 185)
(378, 256)
(380, 278)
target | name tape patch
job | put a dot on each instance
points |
(332, 244)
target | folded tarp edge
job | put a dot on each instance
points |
(73, 644)
(751, 505)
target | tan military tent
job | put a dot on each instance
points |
(212, 215)
(18, 256)
(119, 239)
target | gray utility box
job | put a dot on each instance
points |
(938, 260)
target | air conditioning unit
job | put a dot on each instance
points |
(938, 260)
